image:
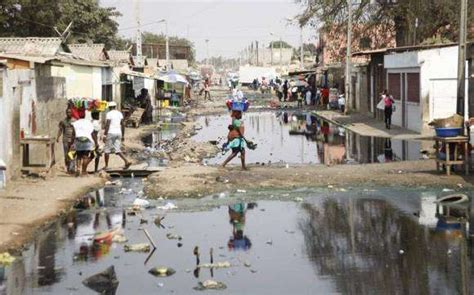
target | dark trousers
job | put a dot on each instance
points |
(388, 116)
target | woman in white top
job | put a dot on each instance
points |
(84, 141)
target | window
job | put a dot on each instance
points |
(365, 43)
(394, 85)
(413, 87)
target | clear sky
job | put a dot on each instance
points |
(230, 25)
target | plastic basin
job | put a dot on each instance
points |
(448, 132)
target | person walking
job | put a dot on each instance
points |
(308, 96)
(388, 108)
(236, 140)
(207, 90)
(66, 129)
(84, 141)
(114, 134)
(285, 90)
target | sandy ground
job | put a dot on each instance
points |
(193, 180)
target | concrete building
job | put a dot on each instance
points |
(423, 82)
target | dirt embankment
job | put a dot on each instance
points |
(193, 180)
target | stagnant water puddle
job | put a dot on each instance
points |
(381, 241)
(302, 138)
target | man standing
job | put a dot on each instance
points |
(207, 90)
(84, 140)
(285, 90)
(67, 131)
(113, 135)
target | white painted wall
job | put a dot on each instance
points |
(6, 112)
(434, 65)
(82, 81)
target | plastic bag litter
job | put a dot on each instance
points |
(144, 247)
(210, 285)
(167, 206)
(141, 202)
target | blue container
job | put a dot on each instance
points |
(238, 106)
(448, 132)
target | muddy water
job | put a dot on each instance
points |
(384, 241)
(302, 138)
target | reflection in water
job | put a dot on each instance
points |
(368, 246)
(298, 137)
(238, 240)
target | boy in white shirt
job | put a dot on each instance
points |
(114, 132)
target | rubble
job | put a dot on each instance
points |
(143, 247)
(104, 282)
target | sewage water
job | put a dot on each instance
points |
(302, 138)
(382, 241)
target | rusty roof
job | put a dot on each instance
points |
(404, 48)
(92, 52)
(31, 46)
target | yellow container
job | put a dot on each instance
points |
(165, 103)
(102, 106)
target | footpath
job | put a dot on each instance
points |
(367, 126)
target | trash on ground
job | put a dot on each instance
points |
(119, 239)
(6, 258)
(116, 183)
(210, 285)
(241, 191)
(143, 247)
(106, 237)
(141, 203)
(162, 271)
(167, 206)
(172, 236)
(104, 282)
(224, 264)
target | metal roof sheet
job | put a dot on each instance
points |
(31, 46)
(93, 52)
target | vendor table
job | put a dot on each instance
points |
(458, 142)
(50, 156)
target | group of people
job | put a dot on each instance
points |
(81, 136)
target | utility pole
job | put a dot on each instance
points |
(138, 39)
(348, 90)
(207, 50)
(281, 53)
(167, 47)
(301, 48)
(462, 59)
(271, 60)
(256, 50)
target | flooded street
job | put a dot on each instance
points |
(298, 137)
(387, 240)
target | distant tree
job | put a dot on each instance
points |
(37, 18)
(435, 17)
(276, 44)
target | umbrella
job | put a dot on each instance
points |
(172, 77)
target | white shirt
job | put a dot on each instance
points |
(115, 118)
(83, 128)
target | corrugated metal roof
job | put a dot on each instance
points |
(178, 64)
(31, 46)
(93, 52)
(36, 59)
(121, 56)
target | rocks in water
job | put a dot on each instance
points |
(143, 247)
(119, 239)
(224, 264)
(104, 282)
(162, 271)
(172, 236)
(210, 285)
